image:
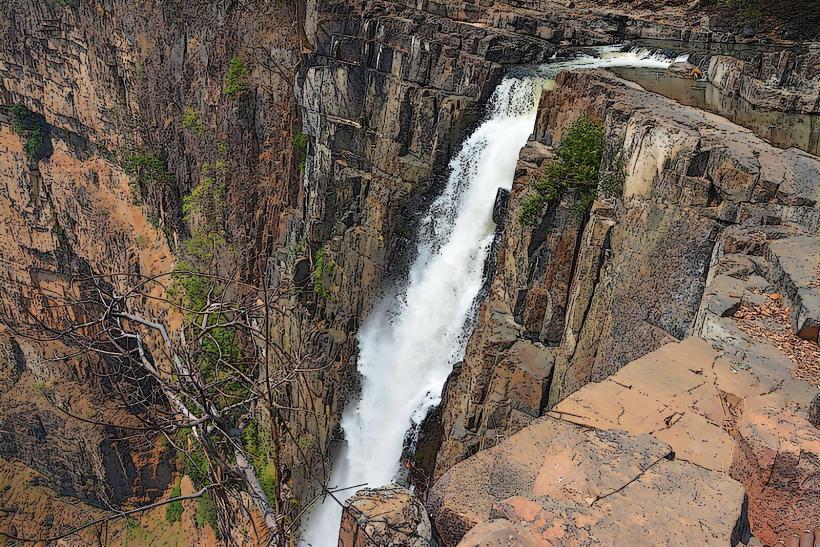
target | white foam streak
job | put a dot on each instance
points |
(409, 344)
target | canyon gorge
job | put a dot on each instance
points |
(413, 272)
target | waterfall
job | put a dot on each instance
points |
(409, 343)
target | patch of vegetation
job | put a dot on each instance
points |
(33, 129)
(142, 242)
(206, 512)
(575, 170)
(265, 470)
(136, 534)
(190, 120)
(146, 170)
(192, 460)
(306, 442)
(300, 147)
(173, 511)
(747, 11)
(207, 198)
(612, 182)
(322, 266)
(191, 289)
(203, 245)
(236, 79)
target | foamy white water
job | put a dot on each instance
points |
(409, 344)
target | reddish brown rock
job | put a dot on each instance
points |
(556, 481)
(386, 516)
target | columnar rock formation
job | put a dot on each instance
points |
(709, 221)
(336, 138)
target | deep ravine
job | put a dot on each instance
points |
(409, 343)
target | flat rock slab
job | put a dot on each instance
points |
(670, 393)
(559, 469)
(749, 421)
(671, 503)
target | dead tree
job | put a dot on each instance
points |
(191, 355)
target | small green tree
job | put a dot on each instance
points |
(190, 120)
(33, 129)
(322, 265)
(236, 79)
(206, 512)
(147, 170)
(575, 169)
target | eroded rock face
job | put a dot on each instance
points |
(632, 278)
(386, 516)
(712, 237)
(783, 81)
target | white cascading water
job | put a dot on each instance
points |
(409, 343)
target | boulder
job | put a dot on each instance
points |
(685, 70)
(386, 516)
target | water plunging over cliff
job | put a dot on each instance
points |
(409, 343)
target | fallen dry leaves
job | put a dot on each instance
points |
(771, 323)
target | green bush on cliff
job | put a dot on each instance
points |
(32, 129)
(146, 170)
(575, 170)
(147, 167)
(300, 147)
(192, 460)
(322, 265)
(207, 199)
(190, 120)
(254, 446)
(206, 512)
(236, 78)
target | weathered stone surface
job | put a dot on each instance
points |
(671, 503)
(553, 469)
(386, 516)
(777, 458)
(645, 271)
(796, 268)
(778, 80)
(749, 423)
(670, 393)
(684, 70)
(814, 411)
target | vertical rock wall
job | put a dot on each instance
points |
(631, 278)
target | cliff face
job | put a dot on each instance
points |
(334, 138)
(110, 83)
(706, 220)
(387, 94)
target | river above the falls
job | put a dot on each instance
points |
(409, 343)
(782, 129)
